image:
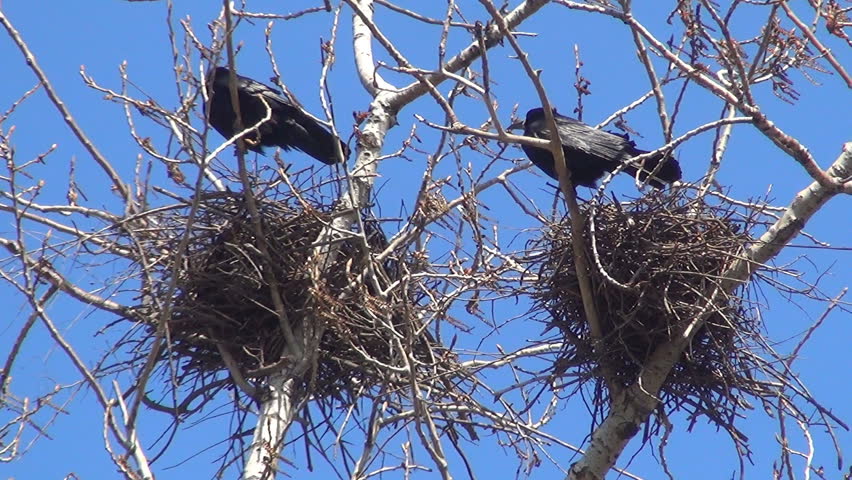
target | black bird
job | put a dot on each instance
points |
(590, 152)
(288, 126)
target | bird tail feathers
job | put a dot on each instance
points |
(667, 173)
(319, 143)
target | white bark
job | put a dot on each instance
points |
(277, 411)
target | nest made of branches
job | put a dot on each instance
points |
(222, 307)
(653, 261)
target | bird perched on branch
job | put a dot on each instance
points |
(288, 125)
(591, 152)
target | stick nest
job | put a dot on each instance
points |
(652, 263)
(223, 308)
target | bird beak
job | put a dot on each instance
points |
(517, 125)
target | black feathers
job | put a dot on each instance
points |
(288, 126)
(590, 152)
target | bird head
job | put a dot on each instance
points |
(219, 77)
(533, 115)
(516, 125)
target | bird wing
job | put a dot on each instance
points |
(300, 130)
(275, 97)
(613, 149)
(540, 129)
(278, 101)
(606, 146)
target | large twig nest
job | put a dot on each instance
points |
(654, 262)
(223, 307)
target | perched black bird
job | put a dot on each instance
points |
(288, 126)
(590, 152)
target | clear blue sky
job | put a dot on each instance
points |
(102, 35)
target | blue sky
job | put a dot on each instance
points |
(66, 35)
